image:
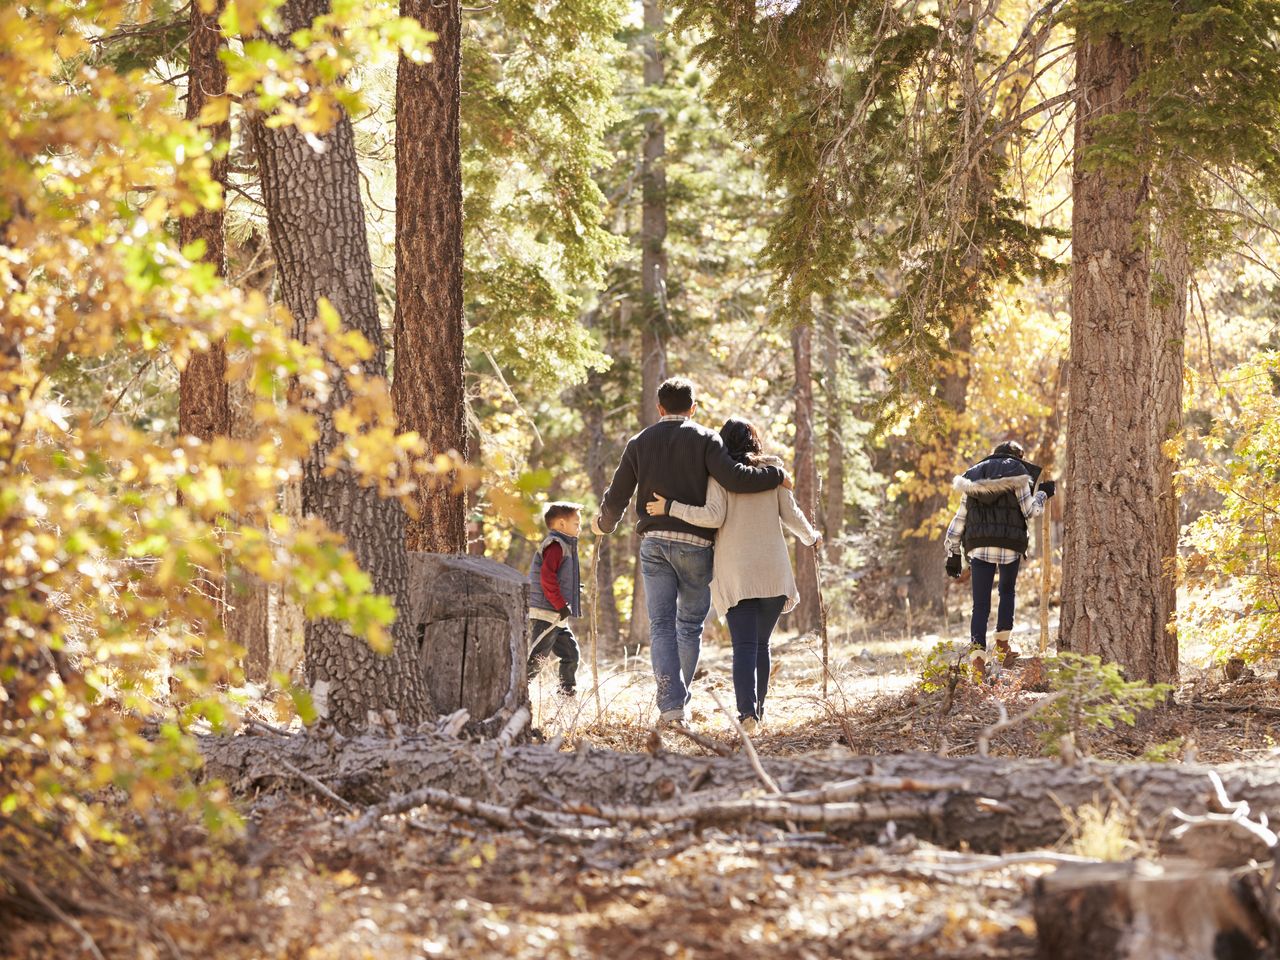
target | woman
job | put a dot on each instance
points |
(752, 582)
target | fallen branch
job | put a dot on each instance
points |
(705, 742)
(511, 729)
(29, 889)
(766, 809)
(317, 785)
(1004, 723)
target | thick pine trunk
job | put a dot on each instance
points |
(653, 266)
(318, 234)
(1114, 588)
(805, 617)
(428, 390)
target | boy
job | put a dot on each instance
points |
(555, 586)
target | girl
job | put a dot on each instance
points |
(752, 581)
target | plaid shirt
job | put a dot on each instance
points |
(1032, 506)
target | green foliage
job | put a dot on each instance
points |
(867, 120)
(1165, 752)
(1092, 694)
(538, 88)
(1234, 550)
(938, 665)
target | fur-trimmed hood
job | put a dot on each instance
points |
(991, 486)
(994, 476)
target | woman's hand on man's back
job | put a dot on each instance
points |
(657, 507)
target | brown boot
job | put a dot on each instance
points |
(1008, 656)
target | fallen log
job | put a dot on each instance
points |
(1007, 805)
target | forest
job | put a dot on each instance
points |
(422, 425)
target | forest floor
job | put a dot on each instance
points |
(299, 884)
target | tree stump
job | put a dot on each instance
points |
(471, 619)
(1145, 911)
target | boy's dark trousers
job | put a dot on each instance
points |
(559, 642)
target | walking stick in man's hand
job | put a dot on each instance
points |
(595, 594)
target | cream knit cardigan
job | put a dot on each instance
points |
(751, 558)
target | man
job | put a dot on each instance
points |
(991, 527)
(674, 457)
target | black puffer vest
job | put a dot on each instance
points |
(993, 516)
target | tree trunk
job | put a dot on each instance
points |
(833, 514)
(471, 615)
(598, 462)
(1003, 805)
(248, 613)
(923, 553)
(203, 406)
(428, 389)
(653, 267)
(318, 234)
(1168, 335)
(806, 616)
(1144, 911)
(1114, 588)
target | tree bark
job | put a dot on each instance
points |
(1114, 588)
(925, 562)
(318, 234)
(833, 514)
(248, 612)
(598, 462)
(1007, 804)
(428, 389)
(653, 267)
(1168, 334)
(203, 405)
(806, 616)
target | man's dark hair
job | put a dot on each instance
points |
(1009, 448)
(676, 395)
(561, 508)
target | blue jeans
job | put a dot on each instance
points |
(982, 575)
(751, 623)
(677, 587)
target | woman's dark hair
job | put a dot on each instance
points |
(742, 440)
(1009, 448)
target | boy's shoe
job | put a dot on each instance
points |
(750, 725)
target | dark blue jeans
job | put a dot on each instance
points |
(983, 574)
(751, 623)
(677, 589)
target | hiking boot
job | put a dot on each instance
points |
(668, 717)
(1005, 654)
(749, 725)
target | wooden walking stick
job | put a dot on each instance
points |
(1046, 576)
(822, 620)
(595, 595)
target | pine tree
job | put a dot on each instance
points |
(317, 230)
(428, 387)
